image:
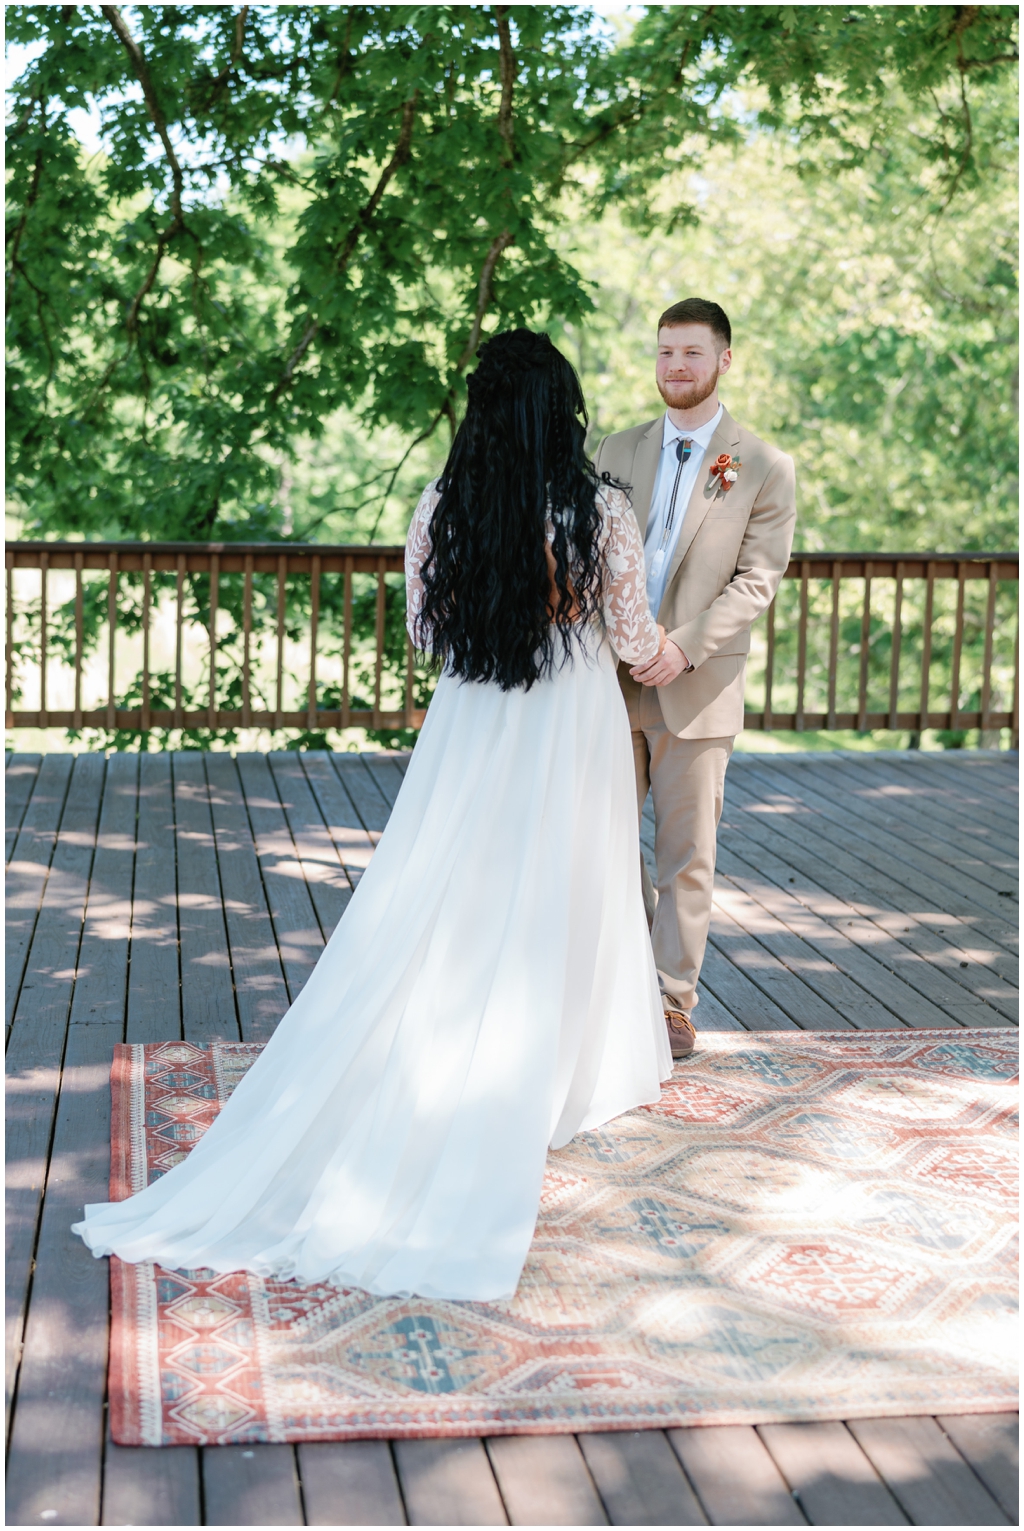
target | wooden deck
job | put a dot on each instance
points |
(189, 895)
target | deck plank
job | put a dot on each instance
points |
(367, 798)
(834, 1482)
(38, 1034)
(260, 990)
(317, 853)
(870, 912)
(967, 856)
(142, 1487)
(640, 1479)
(207, 992)
(101, 977)
(751, 955)
(29, 869)
(899, 782)
(296, 927)
(733, 1472)
(350, 1483)
(724, 981)
(896, 1002)
(824, 811)
(147, 1487)
(387, 777)
(251, 1486)
(348, 834)
(448, 1483)
(57, 1439)
(544, 1480)
(990, 1443)
(818, 970)
(896, 856)
(54, 1469)
(989, 786)
(154, 986)
(926, 1473)
(711, 1013)
(19, 779)
(241, 1485)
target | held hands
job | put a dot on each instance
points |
(669, 662)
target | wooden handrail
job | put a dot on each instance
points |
(287, 561)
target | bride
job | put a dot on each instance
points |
(490, 989)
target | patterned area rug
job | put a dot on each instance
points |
(806, 1227)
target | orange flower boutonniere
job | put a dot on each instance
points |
(724, 469)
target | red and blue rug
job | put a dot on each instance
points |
(805, 1227)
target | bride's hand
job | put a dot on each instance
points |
(669, 662)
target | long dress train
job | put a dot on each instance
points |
(489, 991)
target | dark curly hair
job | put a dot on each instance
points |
(517, 461)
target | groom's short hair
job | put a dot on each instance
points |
(699, 311)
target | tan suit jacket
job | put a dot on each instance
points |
(733, 550)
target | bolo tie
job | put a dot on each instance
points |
(684, 447)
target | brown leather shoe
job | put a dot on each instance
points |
(682, 1036)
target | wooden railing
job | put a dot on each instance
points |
(852, 640)
(938, 705)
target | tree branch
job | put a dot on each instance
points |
(141, 68)
(447, 409)
(483, 296)
(508, 80)
(234, 54)
(343, 253)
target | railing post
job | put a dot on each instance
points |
(1015, 708)
(314, 619)
(147, 578)
(211, 714)
(282, 574)
(986, 664)
(246, 643)
(958, 639)
(801, 655)
(44, 563)
(111, 636)
(894, 661)
(79, 638)
(865, 649)
(769, 664)
(926, 645)
(833, 645)
(409, 667)
(346, 643)
(379, 668)
(179, 622)
(9, 691)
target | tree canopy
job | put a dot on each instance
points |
(305, 209)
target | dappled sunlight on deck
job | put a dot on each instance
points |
(189, 896)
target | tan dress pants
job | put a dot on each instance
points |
(687, 778)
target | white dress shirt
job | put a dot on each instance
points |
(659, 547)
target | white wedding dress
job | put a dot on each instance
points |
(489, 992)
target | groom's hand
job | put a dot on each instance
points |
(664, 667)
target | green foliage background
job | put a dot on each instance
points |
(250, 315)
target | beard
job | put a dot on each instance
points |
(686, 395)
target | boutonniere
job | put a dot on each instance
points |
(724, 468)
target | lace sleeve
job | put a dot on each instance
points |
(631, 629)
(417, 549)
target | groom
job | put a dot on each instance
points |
(716, 507)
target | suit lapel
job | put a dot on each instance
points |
(645, 472)
(702, 497)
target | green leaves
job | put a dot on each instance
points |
(302, 209)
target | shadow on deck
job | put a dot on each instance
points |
(190, 895)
